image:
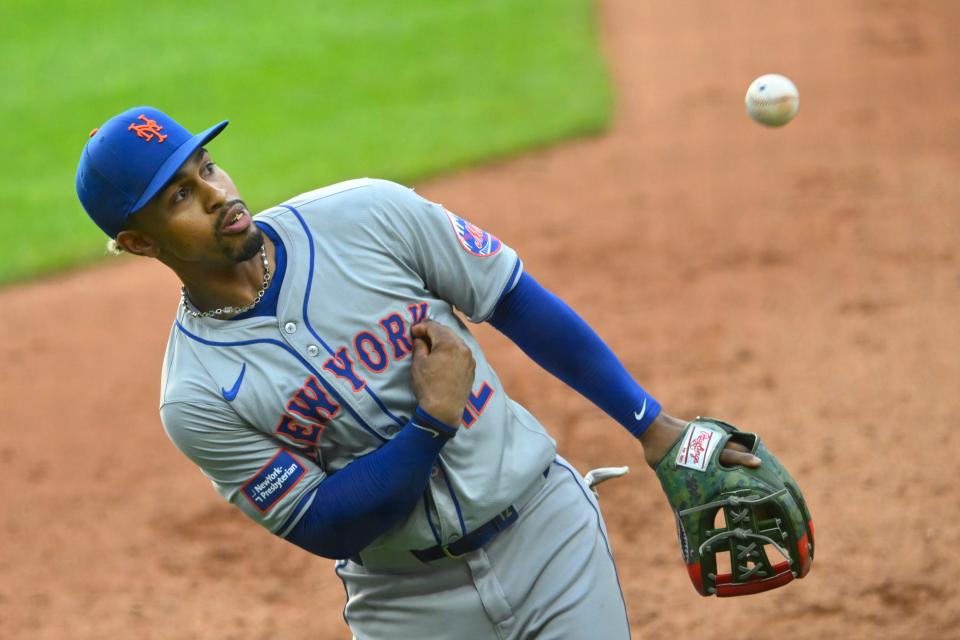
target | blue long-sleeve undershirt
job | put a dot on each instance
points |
(556, 338)
(366, 498)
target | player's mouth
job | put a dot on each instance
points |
(237, 220)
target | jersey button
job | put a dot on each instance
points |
(290, 327)
(435, 471)
(313, 350)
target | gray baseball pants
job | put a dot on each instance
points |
(549, 576)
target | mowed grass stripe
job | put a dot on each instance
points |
(316, 92)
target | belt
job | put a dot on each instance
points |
(470, 542)
(473, 540)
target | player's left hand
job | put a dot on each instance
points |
(663, 433)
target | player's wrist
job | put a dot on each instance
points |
(426, 420)
(442, 409)
(660, 436)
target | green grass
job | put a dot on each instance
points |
(317, 91)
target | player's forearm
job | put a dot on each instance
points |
(368, 497)
(557, 339)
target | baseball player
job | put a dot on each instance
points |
(317, 374)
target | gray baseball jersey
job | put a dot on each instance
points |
(268, 406)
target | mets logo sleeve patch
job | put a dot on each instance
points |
(473, 239)
(275, 480)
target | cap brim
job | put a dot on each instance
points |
(175, 161)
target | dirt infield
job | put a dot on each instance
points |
(802, 282)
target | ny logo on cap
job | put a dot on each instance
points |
(148, 129)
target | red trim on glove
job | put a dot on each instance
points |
(725, 590)
(696, 577)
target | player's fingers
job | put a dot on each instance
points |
(420, 333)
(420, 348)
(419, 330)
(735, 454)
(437, 334)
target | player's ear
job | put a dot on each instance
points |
(138, 243)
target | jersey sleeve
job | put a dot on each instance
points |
(248, 468)
(460, 262)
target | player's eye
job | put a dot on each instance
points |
(208, 168)
(179, 195)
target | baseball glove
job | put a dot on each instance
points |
(762, 508)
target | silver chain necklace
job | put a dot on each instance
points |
(238, 310)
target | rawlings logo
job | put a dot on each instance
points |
(148, 130)
(698, 445)
(473, 239)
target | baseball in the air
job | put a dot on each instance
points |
(772, 100)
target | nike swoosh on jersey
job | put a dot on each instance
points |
(643, 411)
(235, 389)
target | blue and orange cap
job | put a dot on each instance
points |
(129, 159)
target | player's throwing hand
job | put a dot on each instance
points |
(443, 370)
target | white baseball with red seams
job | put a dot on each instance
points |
(772, 100)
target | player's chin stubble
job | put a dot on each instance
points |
(247, 249)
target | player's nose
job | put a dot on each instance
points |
(214, 197)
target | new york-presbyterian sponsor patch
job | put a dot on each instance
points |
(473, 239)
(273, 481)
(698, 446)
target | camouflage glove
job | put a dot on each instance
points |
(762, 508)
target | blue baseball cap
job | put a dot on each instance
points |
(129, 159)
